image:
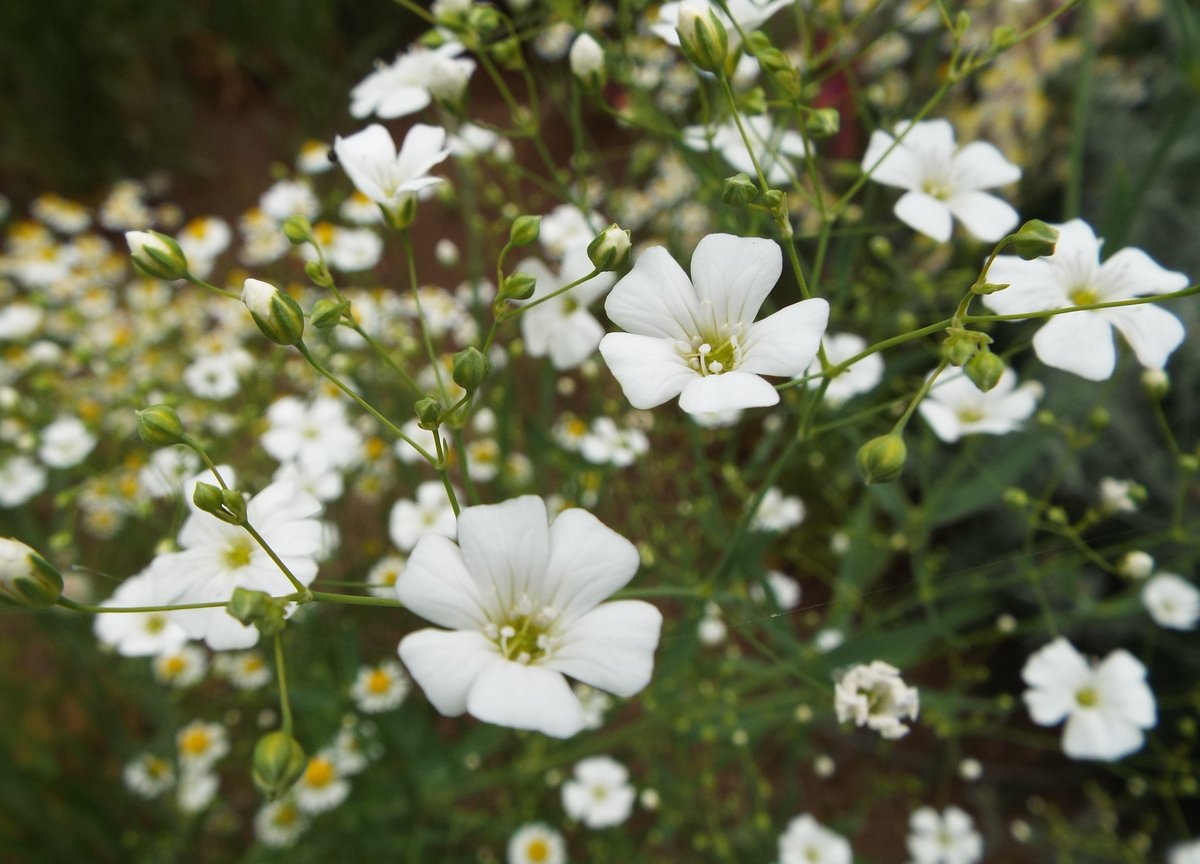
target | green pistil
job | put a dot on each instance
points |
(1084, 297)
(1087, 697)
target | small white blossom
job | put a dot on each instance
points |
(599, 794)
(862, 377)
(388, 178)
(430, 513)
(955, 407)
(807, 841)
(379, 688)
(279, 824)
(321, 787)
(181, 667)
(65, 442)
(148, 776)
(1172, 601)
(946, 838)
(536, 843)
(876, 696)
(201, 744)
(777, 512)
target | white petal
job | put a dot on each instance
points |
(446, 664)
(1077, 342)
(423, 148)
(367, 157)
(399, 102)
(1151, 331)
(507, 546)
(942, 420)
(985, 216)
(724, 392)
(980, 165)
(734, 275)
(1096, 734)
(898, 168)
(436, 585)
(649, 369)
(926, 214)
(217, 628)
(612, 647)
(588, 562)
(1121, 678)
(655, 298)
(1033, 286)
(1131, 272)
(525, 697)
(786, 342)
(574, 339)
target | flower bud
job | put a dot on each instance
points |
(525, 230)
(984, 369)
(228, 505)
(882, 459)
(159, 426)
(157, 254)
(277, 315)
(702, 37)
(318, 272)
(1004, 37)
(739, 190)
(611, 248)
(327, 312)
(429, 412)
(823, 123)
(470, 368)
(257, 609)
(518, 286)
(298, 230)
(279, 760)
(960, 345)
(26, 578)
(587, 60)
(1156, 382)
(1035, 239)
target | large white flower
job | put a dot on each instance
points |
(955, 407)
(1106, 706)
(697, 338)
(943, 180)
(562, 328)
(386, 177)
(521, 600)
(217, 557)
(1081, 342)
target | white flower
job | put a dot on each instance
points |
(605, 443)
(784, 590)
(166, 470)
(946, 838)
(386, 177)
(711, 631)
(379, 688)
(430, 513)
(586, 57)
(201, 744)
(245, 670)
(522, 599)
(384, 574)
(955, 407)
(536, 843)
(196, 790)
(279, 824)
(594, 703)
(181, 667)
(65, 443)
(771, 146)
(217, 557)
(1136, 565)
(203, 239)
(288, 198)
(139, 634)
(777, 512)
(943, 180)
(354, 249)
(566, 227)
(19, 321)
(321, 787)
(807, 841)
(1081, 342)
(599, 794)
(1106, 706)
(697, 339)
(859, 378)
(562, 328)
(876, 696)
(1184, 853)
(20, 479)
(1120, 496)
(408, 84)
(748, 13)
(317, 437)
(828, 639)
(148, 776)
(1172, 602)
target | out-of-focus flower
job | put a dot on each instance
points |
(388, 178)
(430, 513)
(955, 407)
(599, 793)
(139, 634)
(379, 688)
(1172, 601)
(948, 837)
(773, 146)
(859, 378)
(777, 512)
(408, 84)
(536, 843)
(562, 328)
(874, 695)
(807, 841)
(321, 787)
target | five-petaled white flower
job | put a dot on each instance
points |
(773, 146)
(697, 338)
(562, 328)
(807, 841)
(599, 794)
(386, 177)
(1172, 601)
(407, 85)
(948, 837)
(1081, 342)
(1106, 706)
(521, 598)
(943, 180)
(955, 407)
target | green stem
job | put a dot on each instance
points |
(285, 705)
(300, 587)
(356, 600)
(416, 294)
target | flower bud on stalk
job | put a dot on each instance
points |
(157, 254)
(277, 315)
(518, 286)
(279, 760)
(984, 369)
(228, 505)
(26, 578)
(611, 249)
(298, 230)
(739, 190)
(327, 313)
(257, 609)
(160, 426)
(702, 37)
(1035, 239)
(587, 61)
(525, 230)
(882, 459)
(470, 368)
(429, 412)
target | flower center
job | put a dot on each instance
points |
(712, 354)
(238, 553)
(1084, 296)
(155, 623)
(379, 681)
(195, 742)
(936, 187)
(319, 773)
(525, 636)
(1087, 697)
(970, 415)
(538, 850)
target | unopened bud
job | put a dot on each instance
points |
(882, 459)
(328, 313)
(1035, 239)
(277, 315)
(739, 190)
(279, 760)
(1136, 565)
(298, 230)
(160, 426)
(611, 248)
(1004, 37)
(587, 60)
(318, 272)
(518, 286)
(26, 578)
(228, 505)
(984, 369)
(257, 609)
(429, 412)
(470, 368)
(823, 123)
(960, 345)
(702, 37)
(157, 254)
(525, 230)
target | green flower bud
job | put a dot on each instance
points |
(483, 19)
(279, 760)
(753, 101)
(429, 412)
(611, 248)
(319, 273)
(157, 254)
(228, 505)
(518, 286)
(328, 313)
(773, 199)
(257, 609)
(159, 426)
(771, 59)
(1004, 37)
(823, 123)
(298, 230)
(960, 345)
(702, 37)
(1035, 239)
(26, 578)
(984, 369)
(508, 53)
(739, 190)
(525, 230)
(962, 23)
(470, 368)
(882, 459)
(277, 315)
(988, 287)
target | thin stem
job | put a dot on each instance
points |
(285, 705)
(104, 610)
(232, 295)
(525, 307)
(356, 600)
(443, 473)
(416, 294)
(300, 587)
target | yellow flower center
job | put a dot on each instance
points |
(1084, 296)
(238, 553)
(538, 850)
(195, 742)
(379, 681)
(1087, 697)
(319, 772)
(174, 665)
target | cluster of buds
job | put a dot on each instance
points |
(874, 695)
